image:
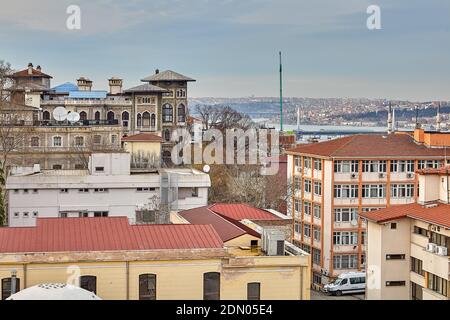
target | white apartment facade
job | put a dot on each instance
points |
(408, 245)
(108, 188)
(333, 182)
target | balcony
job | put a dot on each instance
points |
(54, 123)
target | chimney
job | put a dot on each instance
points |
(38, 68)
(389, 128)
(115, 85)
(438, 118)
(30, 68)
(156, 71)
(84, 84)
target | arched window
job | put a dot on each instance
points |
(167, 135)
(125, 119)
(89, 283)
(57, 141)
(146, 119)
(110, 116)
(79, 141)
(147, 287)
(34, 142)
(139, 120)
(211, 286)
(46, 115)
(181, 113)
(6, 287)
(97, 116)
(167, 113)
(153, 121)
(83, 116)
(97, 139)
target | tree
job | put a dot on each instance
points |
(223, 118)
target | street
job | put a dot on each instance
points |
(316, 295)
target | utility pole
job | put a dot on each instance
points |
(281, 95)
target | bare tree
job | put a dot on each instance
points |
(223, 118)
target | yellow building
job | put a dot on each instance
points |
(145, 149)
(408, 245)
(116, 260)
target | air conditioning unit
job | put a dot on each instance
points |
(441, 251)
(431, 247)
(410, 175)
(381, 175)
(299, 169)
(354, 175)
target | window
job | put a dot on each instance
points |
(167, 135)
(79, 166)
(318, 188)
(139, 120)
(318, 164)
(374, 191)
(253, 291)
(307, 208)
(89, 283)
(317, 211)
(194, 192)
(297, 227)
(395, 283)
(402, 166)
(125, 119)
(297, 183)
(345, 238)
(113, 139)
(307, 163)
(346, 166)
(316, 256)
(99, 169)
(100, 214)
(416, 292)
(254, 245)
(298, 161)
(110, 117)
(167, 113)
(153, 121)
(307, 230)
(147, 287)
(402, 190)
(363, 237)
(7, 287)
(16, 214)
(25, 190)
(211, 286)
(181, 93)
(100, 190)
(84, 214)
(308, 185)
(64, 190)
(316, 232)
(437, 284)
(63, 214)
(46, 116)
(146, 119)
(317, 278)
(428, 164)
(83, 190)
(34, 142)
(57, 167)
(79, 141)
(181, 113)
(416, 266)
(97, 116)
(345, 261)
(439, 239)
(346, 191)
(393, 225)
(26, 214)
(35, 214)
(374, 166)
(97, 139)
(345, 214)
(420, 231)
(306, 248)
(395, 257)
(297, 206)
(57, 141)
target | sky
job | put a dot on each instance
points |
(231, 46)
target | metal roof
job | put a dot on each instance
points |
(168, 75)
(105, 234)
(65, 88)
(87, 94)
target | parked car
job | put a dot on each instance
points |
(349, 282)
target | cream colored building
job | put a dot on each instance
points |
(335, 181)
(408, 245)
(118, 261)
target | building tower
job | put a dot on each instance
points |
(115, 85)
(438, 117)
(389, 128)
(84, 84)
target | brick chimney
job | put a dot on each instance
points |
(84, 84)
(30, 68)
(156, 71)
(38, 68)
(115, 85)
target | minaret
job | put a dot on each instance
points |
(281, 95)
(416, 109)
(438, 118)
(394, 123)
(389, 128)
(298, 118)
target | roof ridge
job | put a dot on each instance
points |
(351, 137)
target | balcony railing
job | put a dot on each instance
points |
(54, 123)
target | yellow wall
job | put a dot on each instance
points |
(145, 147)
(242, 241)
(280, 277)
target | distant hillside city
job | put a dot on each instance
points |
(331, 111)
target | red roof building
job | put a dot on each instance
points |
(104, 234)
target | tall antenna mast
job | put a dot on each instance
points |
(281, 95)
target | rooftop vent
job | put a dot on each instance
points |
(156, 71)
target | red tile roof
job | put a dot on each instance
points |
(444, 170)
(142, 137)
(104, 234)
(438, 214)
(237, 211)
(35, 73)
(369, 146)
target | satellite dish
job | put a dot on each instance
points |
(206, 168)
(73, 117)
(60, 114)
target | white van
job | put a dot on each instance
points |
(349, 282)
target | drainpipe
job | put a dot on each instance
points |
(13, 281)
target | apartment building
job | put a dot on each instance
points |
(119, 261)
(106, 188)
(334, 181)
(408, 245)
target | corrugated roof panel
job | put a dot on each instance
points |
(87, 95)
(65, 88)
